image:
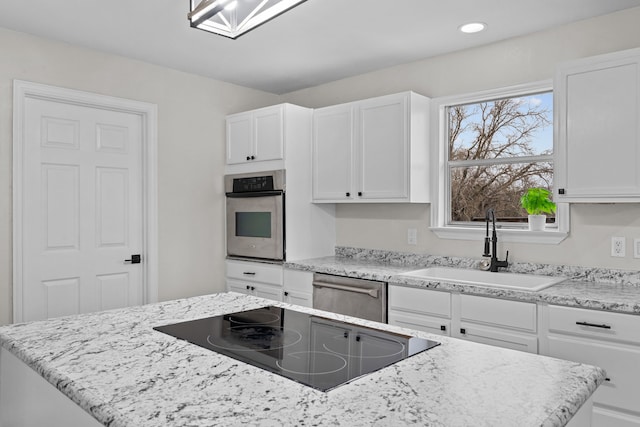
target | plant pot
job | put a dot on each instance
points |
(537, 222)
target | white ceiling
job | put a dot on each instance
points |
(314, 43)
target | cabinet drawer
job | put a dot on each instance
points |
(501, 313)
(255, 272)
(498, 338)
(620, 362)
(422, 301)
(420, 323)
(595, 324)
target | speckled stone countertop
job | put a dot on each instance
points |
(593, 288)
(121, 371)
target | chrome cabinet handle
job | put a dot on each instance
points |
(593, 325)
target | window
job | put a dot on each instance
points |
(493, 146)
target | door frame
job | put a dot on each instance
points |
(149, 115)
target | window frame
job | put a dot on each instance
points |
(441, 203)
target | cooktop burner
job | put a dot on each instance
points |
(319, 352)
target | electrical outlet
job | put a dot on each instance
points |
(636, 248)
(412, 236)
(618, 247)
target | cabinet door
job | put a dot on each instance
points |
(268, 125)
(598, 118)
(373, 351)
(419, 322)
(333, 145)
(268, 292)
(497, 337)
(330, 342)
(239, 138)
(383, 148)
(240, 287)
(298, 298)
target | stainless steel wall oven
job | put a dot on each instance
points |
(255, 215)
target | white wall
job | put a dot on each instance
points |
(515, 61)
(191, 111)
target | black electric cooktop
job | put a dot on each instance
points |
(316, 351)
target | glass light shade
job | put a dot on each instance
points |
(232, 18)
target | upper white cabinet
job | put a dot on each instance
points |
(256, 135)
(375, 150)
(597, 115)
(333, 152)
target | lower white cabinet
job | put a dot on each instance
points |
(270, 281)
(353, 342)
(501, 323)
(256, 289)
(606, 339)
(298, 287)
(255, 278)
(420, 309)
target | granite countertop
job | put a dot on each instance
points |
(585, 288)
(121, 371)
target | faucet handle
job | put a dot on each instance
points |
(506, 258)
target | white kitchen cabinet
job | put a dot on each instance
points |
(597, 115)
(256, 289)
(501, 323)
(254, 278)
(298, 287)
(606, 339)
(256, 136)
(374, 150)
(354, 342)
(333, 152)
(420, 309)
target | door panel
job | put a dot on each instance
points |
(112, 219)
(60, 188)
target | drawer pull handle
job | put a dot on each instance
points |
(593, 325)
(607, 379)
(249, 273)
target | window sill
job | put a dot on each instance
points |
(549, 237)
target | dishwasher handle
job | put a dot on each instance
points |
(374, 293)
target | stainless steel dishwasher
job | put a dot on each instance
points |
(366, 299)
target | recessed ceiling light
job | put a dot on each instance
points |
(472, 27)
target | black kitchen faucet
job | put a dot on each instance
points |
(495, 262)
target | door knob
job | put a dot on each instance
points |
(135, 259)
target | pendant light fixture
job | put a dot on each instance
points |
(232, 18)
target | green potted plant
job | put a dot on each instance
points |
(537, 203)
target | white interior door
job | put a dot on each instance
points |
(82, 209)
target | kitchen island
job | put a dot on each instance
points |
(118, 369)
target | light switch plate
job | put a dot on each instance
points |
(412, 236)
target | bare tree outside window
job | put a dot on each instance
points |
(497, 150)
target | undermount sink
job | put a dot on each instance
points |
(523, 282)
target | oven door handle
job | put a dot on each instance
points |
(374, 293)
(246, 194)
